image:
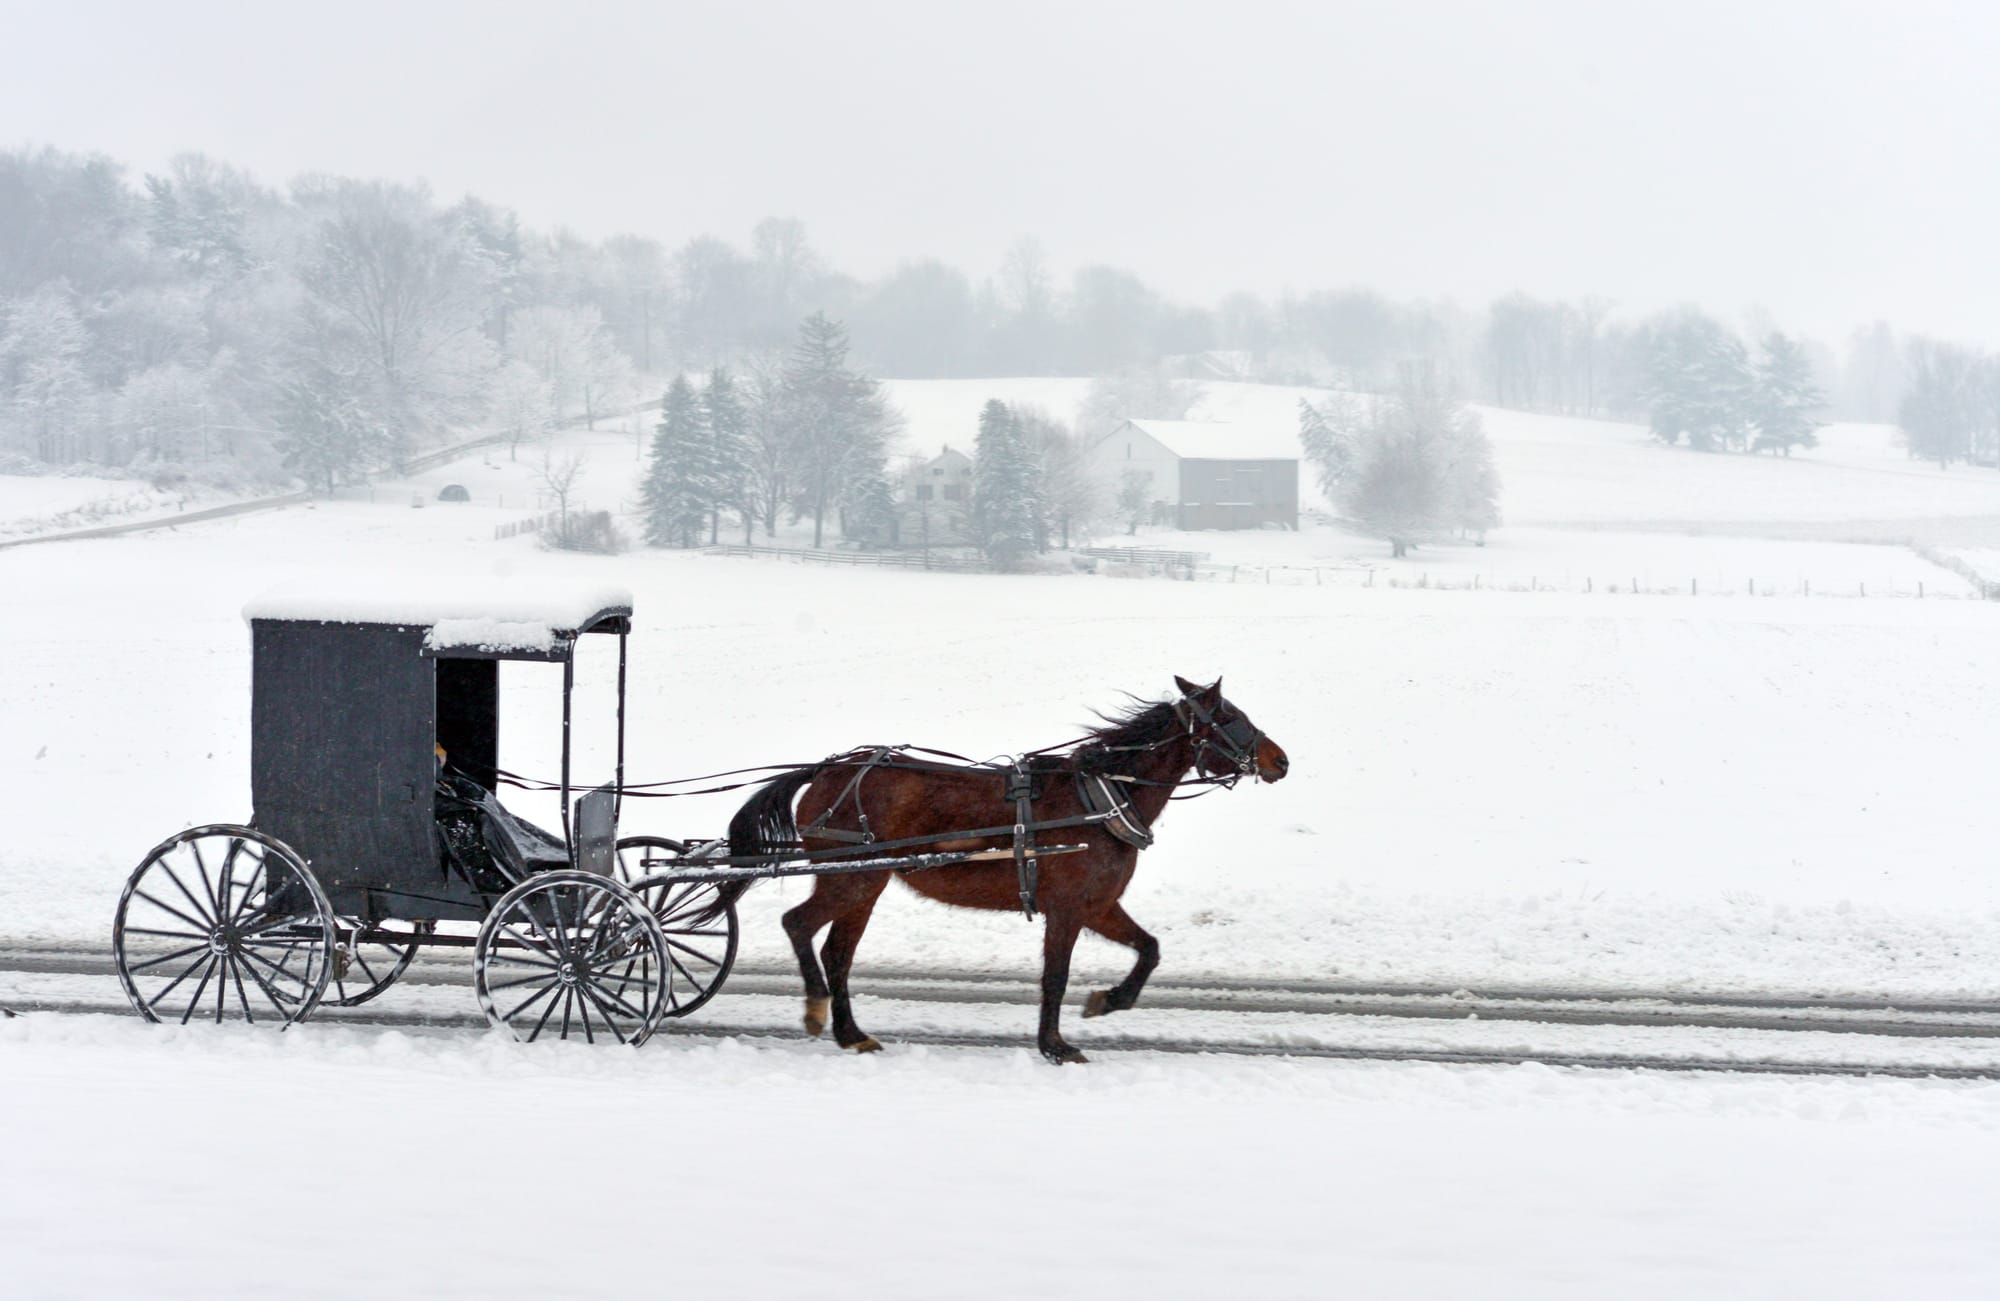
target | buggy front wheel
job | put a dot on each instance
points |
(571, 954)
(699, 928)
(223, 922)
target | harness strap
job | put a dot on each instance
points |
(1027, 866)
(1109, 804)
(852, 791)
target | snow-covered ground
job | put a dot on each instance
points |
(479, 1167)
(1487, 786)
(34, 505)
(1783, 794)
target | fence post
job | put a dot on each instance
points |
(1694, 587)
(1805, 586)
(1753, 587)
(1864, 589)
(1920, 589)
(1586, 586)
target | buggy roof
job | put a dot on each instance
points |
(526, 618)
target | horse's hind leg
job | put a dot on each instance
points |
(1116, 925)
(801, 924)
(838, 955)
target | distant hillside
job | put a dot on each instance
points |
(1560, 470)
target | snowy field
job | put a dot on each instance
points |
(34, 505)
(1773, 793)
(1784, 794)
(734, 1170)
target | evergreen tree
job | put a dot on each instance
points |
(1006, 497)
(727, 423)
(676, 494)
(840, 424)
(1785, 397)
(1699, 383)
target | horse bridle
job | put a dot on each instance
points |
(1236, 740)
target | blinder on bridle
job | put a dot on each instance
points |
(1235, 740)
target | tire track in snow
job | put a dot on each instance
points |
(58, 991)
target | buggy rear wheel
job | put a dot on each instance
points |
(226, 908)
(370, 957)
(700, 931)
(571, 953)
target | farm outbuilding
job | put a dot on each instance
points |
(1208, 474)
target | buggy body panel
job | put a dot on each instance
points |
(351, 697)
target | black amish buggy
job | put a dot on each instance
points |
(377, 831)
(375, 762)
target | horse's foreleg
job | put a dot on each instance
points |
(1061, 928)
(1116, 925)
(838, 955)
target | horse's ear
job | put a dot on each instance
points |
(1187, 688)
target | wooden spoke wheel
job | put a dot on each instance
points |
(700, 935)
(371, 957)
(223, 923)
(571, 955)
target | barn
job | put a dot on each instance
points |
(1207, 474)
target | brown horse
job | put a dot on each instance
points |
(885, 796)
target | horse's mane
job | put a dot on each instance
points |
(1145, 723)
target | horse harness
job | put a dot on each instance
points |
(1103, 796)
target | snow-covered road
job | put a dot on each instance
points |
(1959, 1040)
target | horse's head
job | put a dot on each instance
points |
(1226, 743)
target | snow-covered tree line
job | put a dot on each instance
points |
(202, 323)
(1407, 465)
(200, 318)
(1950, 403)
(1704, 385)
(809, 437)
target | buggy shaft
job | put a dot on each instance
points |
(906, 863)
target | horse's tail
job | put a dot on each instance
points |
(764, 825)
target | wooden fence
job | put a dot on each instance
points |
(1586, 584)
(532, 524)
(1152, 557)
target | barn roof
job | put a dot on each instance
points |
(1220, 440)
(489, 614)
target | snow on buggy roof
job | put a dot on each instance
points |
(502, 617)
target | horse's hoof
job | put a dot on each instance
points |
(1064, 1055)
(816, 1012)
(868, 1045)
(1098, 1003)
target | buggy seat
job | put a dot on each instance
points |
(494, 848)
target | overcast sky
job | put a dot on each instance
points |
(1830, 162)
